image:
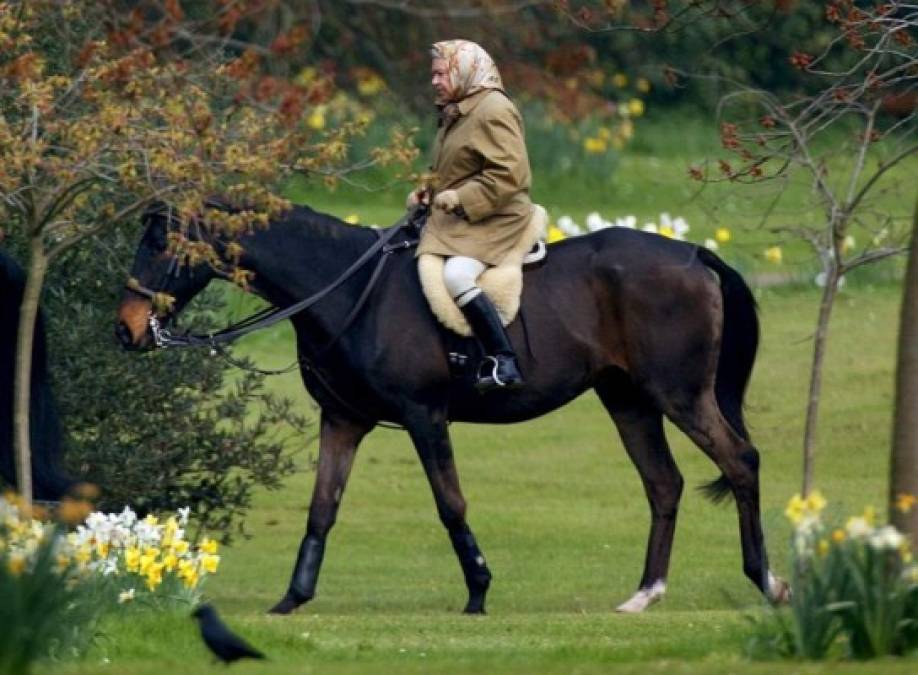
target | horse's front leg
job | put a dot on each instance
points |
(338, 441)
(431, 439)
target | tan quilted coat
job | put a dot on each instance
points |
(482, 155)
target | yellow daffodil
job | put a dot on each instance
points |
(905, 502)
(620, 80)
(102, 549)
(815, 502)
(642, 85)
(207, 546)
(180, 547)
(795, 510)
(209, 563)
(170, 561)
(594, 145)
(774, 255)
(148, 559)
(722, 235)
(16, 563)
(82, 555)
(666, 231)
(822, 547)
(316, 119)
(132, 559)
(554, 234)
(151, 520)
(353, 219)
(839, 535)
(636, 107)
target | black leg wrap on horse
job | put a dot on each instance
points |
(306, 570)
(474, 568)
(503, 371)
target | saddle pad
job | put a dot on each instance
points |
(503, 284)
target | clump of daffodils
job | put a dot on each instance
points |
(147, 557)
(665, 225)
(20, 536)
(855, 586)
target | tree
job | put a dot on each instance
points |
(109, 106)
(845, 145)
(903, 467)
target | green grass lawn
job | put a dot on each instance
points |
(560, 513)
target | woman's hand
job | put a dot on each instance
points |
(448, 200)
(417, 196)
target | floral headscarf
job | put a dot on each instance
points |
(471, 68)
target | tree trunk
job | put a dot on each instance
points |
(28, 313)
(819, 352)
(903, 470)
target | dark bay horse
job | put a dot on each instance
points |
(656, 327)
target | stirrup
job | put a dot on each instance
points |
(492, 380)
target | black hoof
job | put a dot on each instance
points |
(475, 606)
(287, 604)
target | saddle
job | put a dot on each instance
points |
(503, 284)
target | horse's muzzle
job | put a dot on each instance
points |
(133, 330)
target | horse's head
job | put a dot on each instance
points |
(160, 285)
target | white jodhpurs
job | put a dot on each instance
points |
(459, 275)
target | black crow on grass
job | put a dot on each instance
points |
(225, 645)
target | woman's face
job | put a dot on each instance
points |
(439, 80)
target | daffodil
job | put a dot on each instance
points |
(636, 107)
(774, 255)
(905, 502)
(209, 563)
(126, 596)
(620, 80)
(554, 234)
(316, 119)
(353, 219)
(642, 85)
(207, 546)
(16, 563)
(594, 145)
(132, 559)
(723, 235)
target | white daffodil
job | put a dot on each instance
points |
(680, 227)
(628, 221)
(886, 538)
(711, 244)
(858, 528)
(567, 225)
(596, 222)
(126, 596)
(650, 227)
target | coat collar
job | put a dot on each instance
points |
(468, 104)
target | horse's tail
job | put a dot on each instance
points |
(738, 346)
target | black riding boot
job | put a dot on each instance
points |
(499, 370)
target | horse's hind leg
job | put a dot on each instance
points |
(699, 416)
(431, 439)
(640, 425)
(338, 441)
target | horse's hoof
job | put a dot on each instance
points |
(285, 606)
(644, 598)
(475, 606)
(779, 591)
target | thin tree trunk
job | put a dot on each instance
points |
(819, 351)
(903, 470)
(28, 313)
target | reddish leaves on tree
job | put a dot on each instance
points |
(767, 121)
(801, 60)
